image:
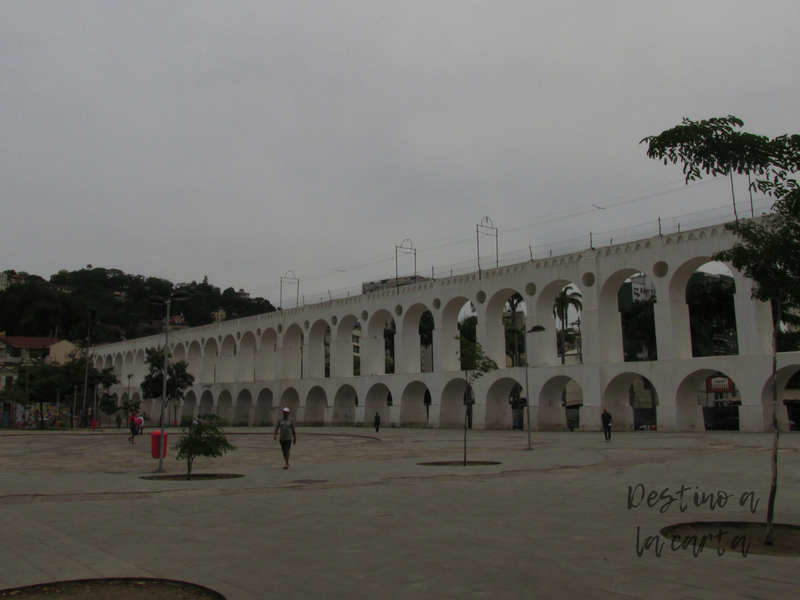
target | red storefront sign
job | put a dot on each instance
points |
(720, 384)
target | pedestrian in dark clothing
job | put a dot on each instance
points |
(606, 418)
(377, 422)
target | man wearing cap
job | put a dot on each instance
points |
(288, 436)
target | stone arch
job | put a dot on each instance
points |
(316, 405)
(292, 352)
(498, 406)
(373, 356)
(128, 367)
(245, 363)
(552, 407)
(265, 357)
(140, 368)
(210, 352)
(194, 359)
(696, 410)
(679, 314)
(408, 352)
(189, 404)
(291, 400)
(226, 360)
(319, 339)
(788, 411)
(343, 349)
(711, 299)
(448, 347)
(344, 406)
(544, 316)
(178, 352)
(225, 406)
(451, 409)
(206, 403)
(621, 397)
(413, 410)
(377, 401)
(118, 362)
(614, 309)
(495, 319)
(243, 409)
(264, 409)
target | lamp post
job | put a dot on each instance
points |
(177, 297)
(92, 317)
(534, 329)
(580, 339)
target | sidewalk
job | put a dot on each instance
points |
(356, 516)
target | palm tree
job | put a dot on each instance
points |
(513, 330)
(566, 298)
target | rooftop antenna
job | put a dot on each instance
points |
(403, 249)
(291, 280)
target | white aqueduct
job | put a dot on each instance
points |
(247, 369)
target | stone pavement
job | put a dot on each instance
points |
(356, 516)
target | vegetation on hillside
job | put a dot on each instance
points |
(61, 307)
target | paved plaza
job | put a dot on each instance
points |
(357, 516)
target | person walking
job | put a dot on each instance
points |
(140, 424)
(606, 418)
(133, 427)
(288, 436)
(118, 421)
(377, 422)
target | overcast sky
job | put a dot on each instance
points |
(241, 140)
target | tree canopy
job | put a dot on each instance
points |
(717, 147)
(61, 307)
(201, 437)
(768, 250)
(178, 376)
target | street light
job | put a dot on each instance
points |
(534, 329)
(177, 297)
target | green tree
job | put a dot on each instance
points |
(566, 298)
(16, 396)
(178, 377)
(389, 332)
(44, 381)
(513, 332)
(475, 365)
(467, 333)
(768, 250)
(639, 330)
(201, 437)
(712, 315)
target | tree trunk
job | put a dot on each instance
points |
(466, 416)
(773, 489)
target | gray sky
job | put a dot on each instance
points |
(241, 140)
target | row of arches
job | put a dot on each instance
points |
(344, 342)
(704, 399)
(414, 339)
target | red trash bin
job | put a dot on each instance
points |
(154, 439)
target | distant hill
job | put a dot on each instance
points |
(61, 307)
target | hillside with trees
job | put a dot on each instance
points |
(61, 306)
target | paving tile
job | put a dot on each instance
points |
(548, 524)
